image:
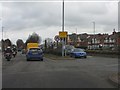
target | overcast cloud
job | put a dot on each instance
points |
(20, 19)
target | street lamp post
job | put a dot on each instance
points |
(94, 34)
(2, 32)
(63, 30)
(2, 29)
(76, 30)
(63, 18)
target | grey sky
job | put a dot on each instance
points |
(20, 19)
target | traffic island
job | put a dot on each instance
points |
(114, 78)
(55, 57)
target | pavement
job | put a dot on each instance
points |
(54, 57)
(114, 78)
(0, 70)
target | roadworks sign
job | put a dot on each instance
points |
(63, 34)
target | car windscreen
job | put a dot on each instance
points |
(78, 50)
(35, 50)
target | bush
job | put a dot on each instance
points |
(102, 52)
(56, 51)
(83, 47)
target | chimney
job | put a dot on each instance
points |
(114, 32)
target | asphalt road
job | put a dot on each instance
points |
(92, 72)
(0, 70)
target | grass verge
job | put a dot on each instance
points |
(55, 57)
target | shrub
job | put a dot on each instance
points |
(56, 51)
(102, 52)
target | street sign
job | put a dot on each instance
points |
(63, 47)
(57, 38)
(63, 34)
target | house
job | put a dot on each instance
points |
(0, 45)
(97, 41)
(105, 40)
(78, 40)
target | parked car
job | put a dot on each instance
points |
(34, 54)
(19, 49)
(0, 49)
(69, 49)
(77, 52)
(23, 51)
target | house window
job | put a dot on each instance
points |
(105, 40)
(110, 40)
(89, 42)
(113, 40)
(93, 40)
(98, 41)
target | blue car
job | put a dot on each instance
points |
(76, 52)
(34, 54)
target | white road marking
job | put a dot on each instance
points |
(89, 56)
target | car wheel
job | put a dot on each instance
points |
(27, 59)
(74, 56)
(8, 59)
(70, 55)
(85, 56)
(42, 59)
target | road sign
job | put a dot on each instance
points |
(63, 34)
(57, 38)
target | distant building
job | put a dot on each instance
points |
(0, 45)
(97, 41)
(78, 40)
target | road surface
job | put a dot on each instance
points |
(91, 72)
(0, 70)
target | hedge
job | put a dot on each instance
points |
(58, 52)
(54, 51)
(102, 52)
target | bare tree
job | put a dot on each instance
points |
(49, 41)
(20, 43)
(7, 42)
(34, 38)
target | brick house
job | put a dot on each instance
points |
(96, 41)
(112, 41)
(77, 40)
